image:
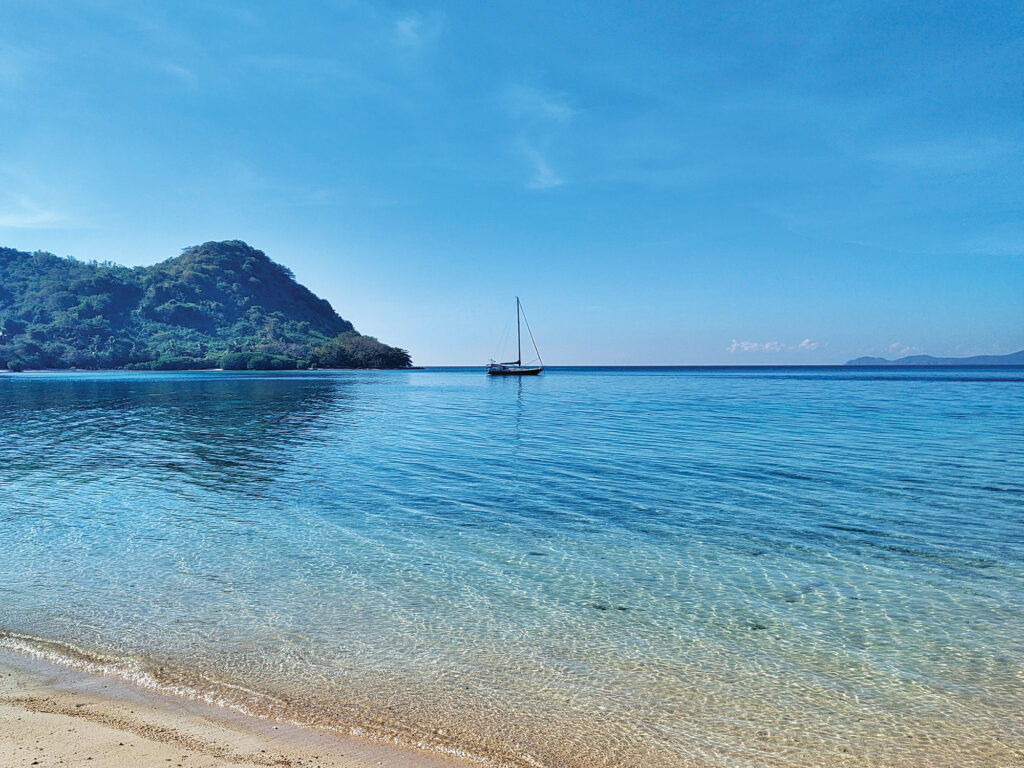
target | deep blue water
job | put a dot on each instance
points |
(643, 567)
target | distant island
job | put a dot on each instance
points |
(217, 305)
(1014, 358)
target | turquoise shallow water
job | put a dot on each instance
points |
(590, 568)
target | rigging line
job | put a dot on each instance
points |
(504, 341)
(531, 335)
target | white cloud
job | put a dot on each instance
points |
(744, 346)
(755, 346)
(900, 349)
(770, 346)
(543, 177)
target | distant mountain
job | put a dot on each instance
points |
(1015, 358)
(216, 305)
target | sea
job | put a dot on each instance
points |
(652, 567)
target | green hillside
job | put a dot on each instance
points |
(216, 305)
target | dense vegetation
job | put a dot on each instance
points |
(216, 305)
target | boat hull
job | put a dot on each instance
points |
(513, 371)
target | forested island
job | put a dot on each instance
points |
(217, 305)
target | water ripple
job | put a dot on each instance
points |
(591, 568)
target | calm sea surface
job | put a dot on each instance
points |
(589, 568)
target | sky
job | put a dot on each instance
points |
(662, 183)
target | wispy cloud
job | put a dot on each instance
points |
(539, 115)
(15, 64)
(310, 69)
(414, 30)
(527, 102)
(543, 177)
(959, 155)
(283, 192)
(1005, 239)
(182, 74)
(19, 212)
(808, 344)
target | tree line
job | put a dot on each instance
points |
(217, 305)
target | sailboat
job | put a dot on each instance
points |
(517, 368)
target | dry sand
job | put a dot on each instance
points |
(53, 716)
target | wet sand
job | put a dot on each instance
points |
(53, 716)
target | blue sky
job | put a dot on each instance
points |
(665, 183)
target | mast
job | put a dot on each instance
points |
(519, 339)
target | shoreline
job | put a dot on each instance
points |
(53, 714)
(845, 367)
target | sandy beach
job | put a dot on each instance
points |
(54, 716)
